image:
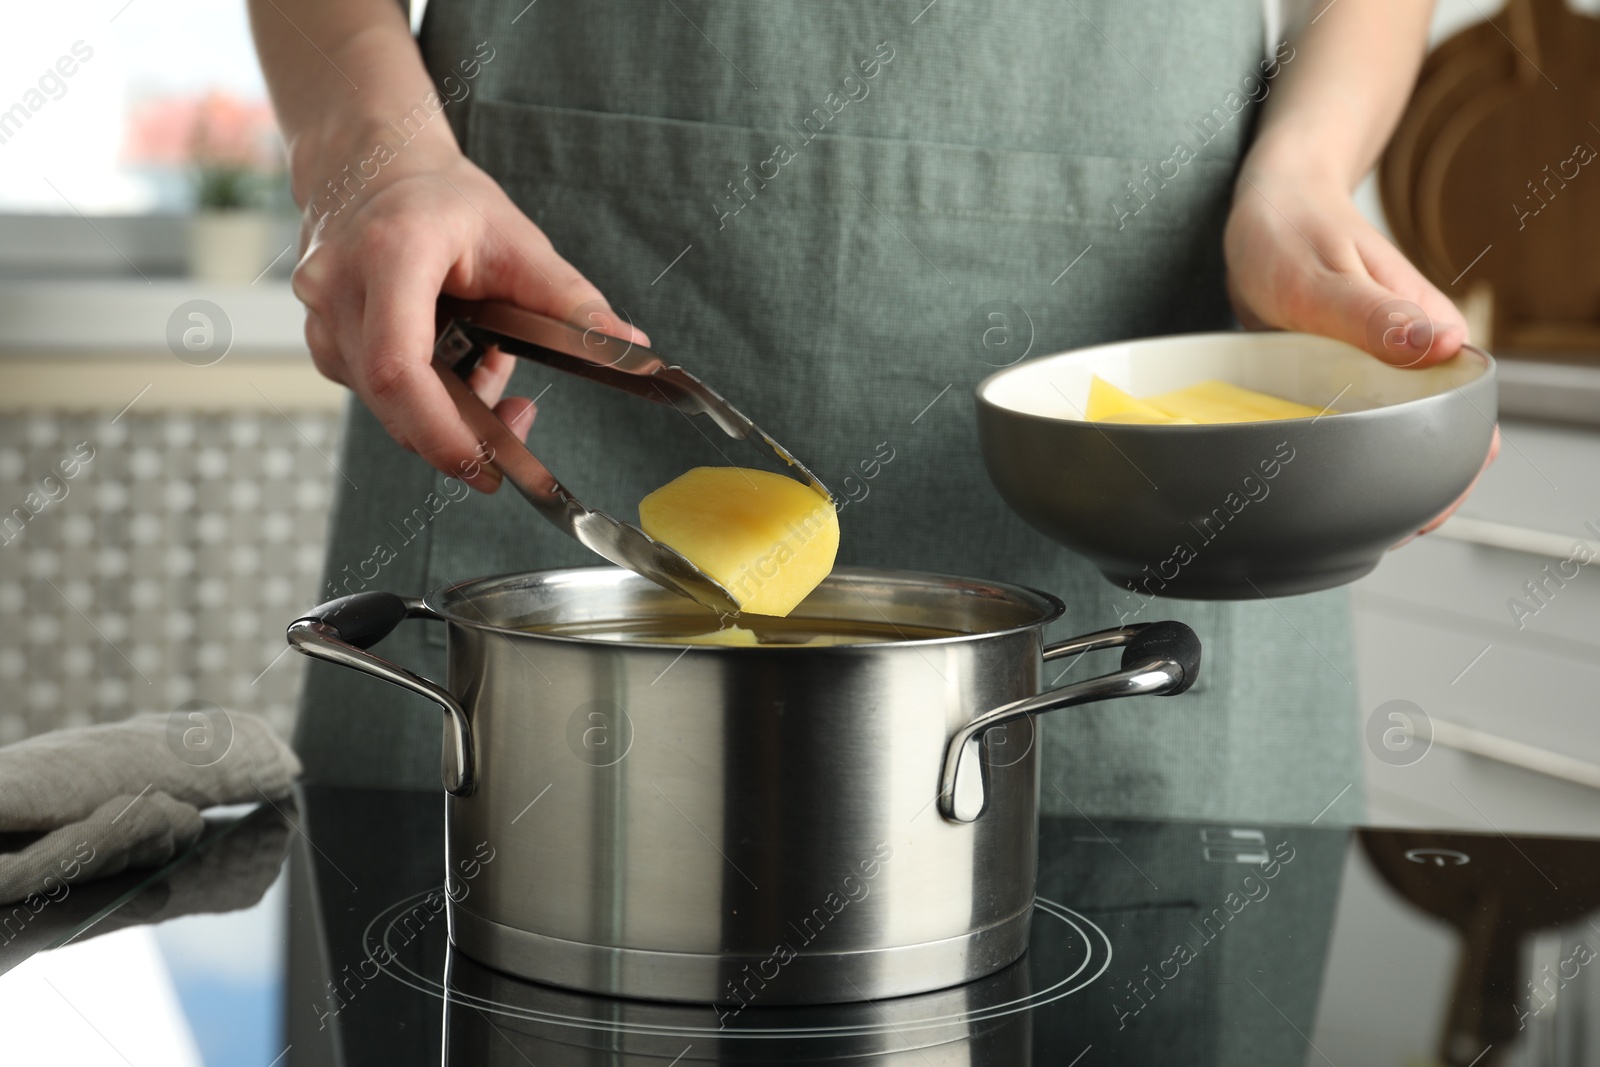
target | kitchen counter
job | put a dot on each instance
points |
(1228, 945)
(104, 345)
(1552, 392)
(130, 315)
(1509, 690)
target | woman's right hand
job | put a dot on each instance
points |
(375, 261)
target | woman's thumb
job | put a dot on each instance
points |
(1363, 313)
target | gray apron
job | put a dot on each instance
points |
(843, 216)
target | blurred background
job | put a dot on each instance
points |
(143, 171)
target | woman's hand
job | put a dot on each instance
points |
(1301, 257)
(394, 216)
(375, 263)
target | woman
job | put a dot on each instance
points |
(842, 216)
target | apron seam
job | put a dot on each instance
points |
(689, 125)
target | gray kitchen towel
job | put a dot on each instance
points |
(128, 794)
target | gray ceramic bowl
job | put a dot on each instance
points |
(1246, 509)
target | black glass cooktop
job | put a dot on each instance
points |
(1153, 942)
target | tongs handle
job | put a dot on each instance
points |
(622, 544)
(469, 328)
(520, 467)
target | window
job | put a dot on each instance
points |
(85, 88)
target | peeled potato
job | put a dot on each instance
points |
(1140, 418)
(732, 636)
(739, 637)
(1215, 401)
(1205, 402)
(767, 538)
(1271, 406)
(1107, 403)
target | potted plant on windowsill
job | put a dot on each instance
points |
(236, 166)
(217, 157)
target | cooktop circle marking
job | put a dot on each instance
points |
(1096, 955)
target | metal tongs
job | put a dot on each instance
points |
(471, 329)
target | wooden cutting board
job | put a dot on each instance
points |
(1503, 168)
(1480, 44)
(1437, 97)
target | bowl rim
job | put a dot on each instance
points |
(1487, 370)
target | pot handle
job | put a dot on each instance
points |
(1158, 658)
(342, 630)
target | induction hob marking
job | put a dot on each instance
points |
(1229, 835)
(1222, 855)
(1237, 845)
(898, 1032)
(1091, 967)
(1439, 857)
(1138, 993)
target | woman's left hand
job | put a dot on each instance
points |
(1301, 257)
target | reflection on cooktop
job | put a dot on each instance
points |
(1152, 943)
(1103, 975)
(1068, 953)
(1500, 930)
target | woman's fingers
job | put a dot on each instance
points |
(1432, 324)
(517, 413)
(371, 284)
(324, 349)
(490, 376)
(395, 374)
(532, 274)
(1352, 307)
(1303, 258)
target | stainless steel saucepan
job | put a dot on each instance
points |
(772, 824)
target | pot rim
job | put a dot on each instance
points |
(437, 603)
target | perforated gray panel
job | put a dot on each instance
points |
(163, 569)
